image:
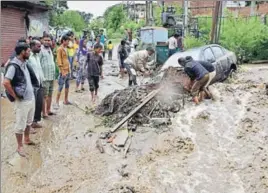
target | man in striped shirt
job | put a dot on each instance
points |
(48, 66)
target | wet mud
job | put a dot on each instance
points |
(219, 146)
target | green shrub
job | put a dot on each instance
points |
(192, 42)
(247, 37)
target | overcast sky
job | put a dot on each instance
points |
(97, 8)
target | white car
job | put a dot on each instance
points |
(224, 60)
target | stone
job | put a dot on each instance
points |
(121, 138)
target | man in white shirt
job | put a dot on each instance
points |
(138, 61)
(34, 62)
(172, 44)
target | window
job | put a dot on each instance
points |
(208, 55)
(217, 51)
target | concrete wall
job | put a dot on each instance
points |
(38, 23)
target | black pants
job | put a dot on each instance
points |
(103, 54)
(110, 55)
(39, 95)
(93, 82)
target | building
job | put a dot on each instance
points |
(136, 11)
(21, 19)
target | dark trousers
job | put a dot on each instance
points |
(103, 54)
(171, 52)
(39, 95)
(110, 54)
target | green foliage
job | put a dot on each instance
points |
(114, 17)
(72, 19)
(192, 42)
(96, 24)
(247, 37)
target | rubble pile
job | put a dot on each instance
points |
(168, 101)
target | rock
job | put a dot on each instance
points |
(203, 115)
(121, 138)
(155, 122)
(99, 146)
(104, 135)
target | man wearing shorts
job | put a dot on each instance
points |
(198, 74)
(64, 70)
(19, 81)
(49, 71)
(94, 68)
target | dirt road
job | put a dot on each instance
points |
(219, 146)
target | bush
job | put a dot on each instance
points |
(247, 37)
(192, 42)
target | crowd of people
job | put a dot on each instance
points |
(36, 63)
(32, 69)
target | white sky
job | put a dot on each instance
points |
(97, 8)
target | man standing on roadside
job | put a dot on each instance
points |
(98, 42)
(49, 70)
(172, 44)
(71, 53)
(19, 82)
(34, 62)
(103, 41)
(64, 70)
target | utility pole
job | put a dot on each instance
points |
(215, 22)
(185, 21)
(147, 12)
(252, 8)
(151, 14)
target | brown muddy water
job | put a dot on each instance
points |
(219, 146)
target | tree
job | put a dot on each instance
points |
(86, 16)
(72, 19)
(114, 17)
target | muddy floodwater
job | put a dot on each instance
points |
(219, 146)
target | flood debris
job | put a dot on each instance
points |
(140, 104)
(127, 147)
(121, 138)
(123, 189)
(99, 146)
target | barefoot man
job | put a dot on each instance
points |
(19, 83)
(49, 71)
(64, 68)
(94, 67)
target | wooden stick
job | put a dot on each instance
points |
(133, 112)
(127, 147)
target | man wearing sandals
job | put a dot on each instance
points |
(49, 71)
(19, 83)
(64, 69)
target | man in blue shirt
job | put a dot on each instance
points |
(103, 40)
(198, 75)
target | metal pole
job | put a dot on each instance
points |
(185, 23)
(147, 13)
